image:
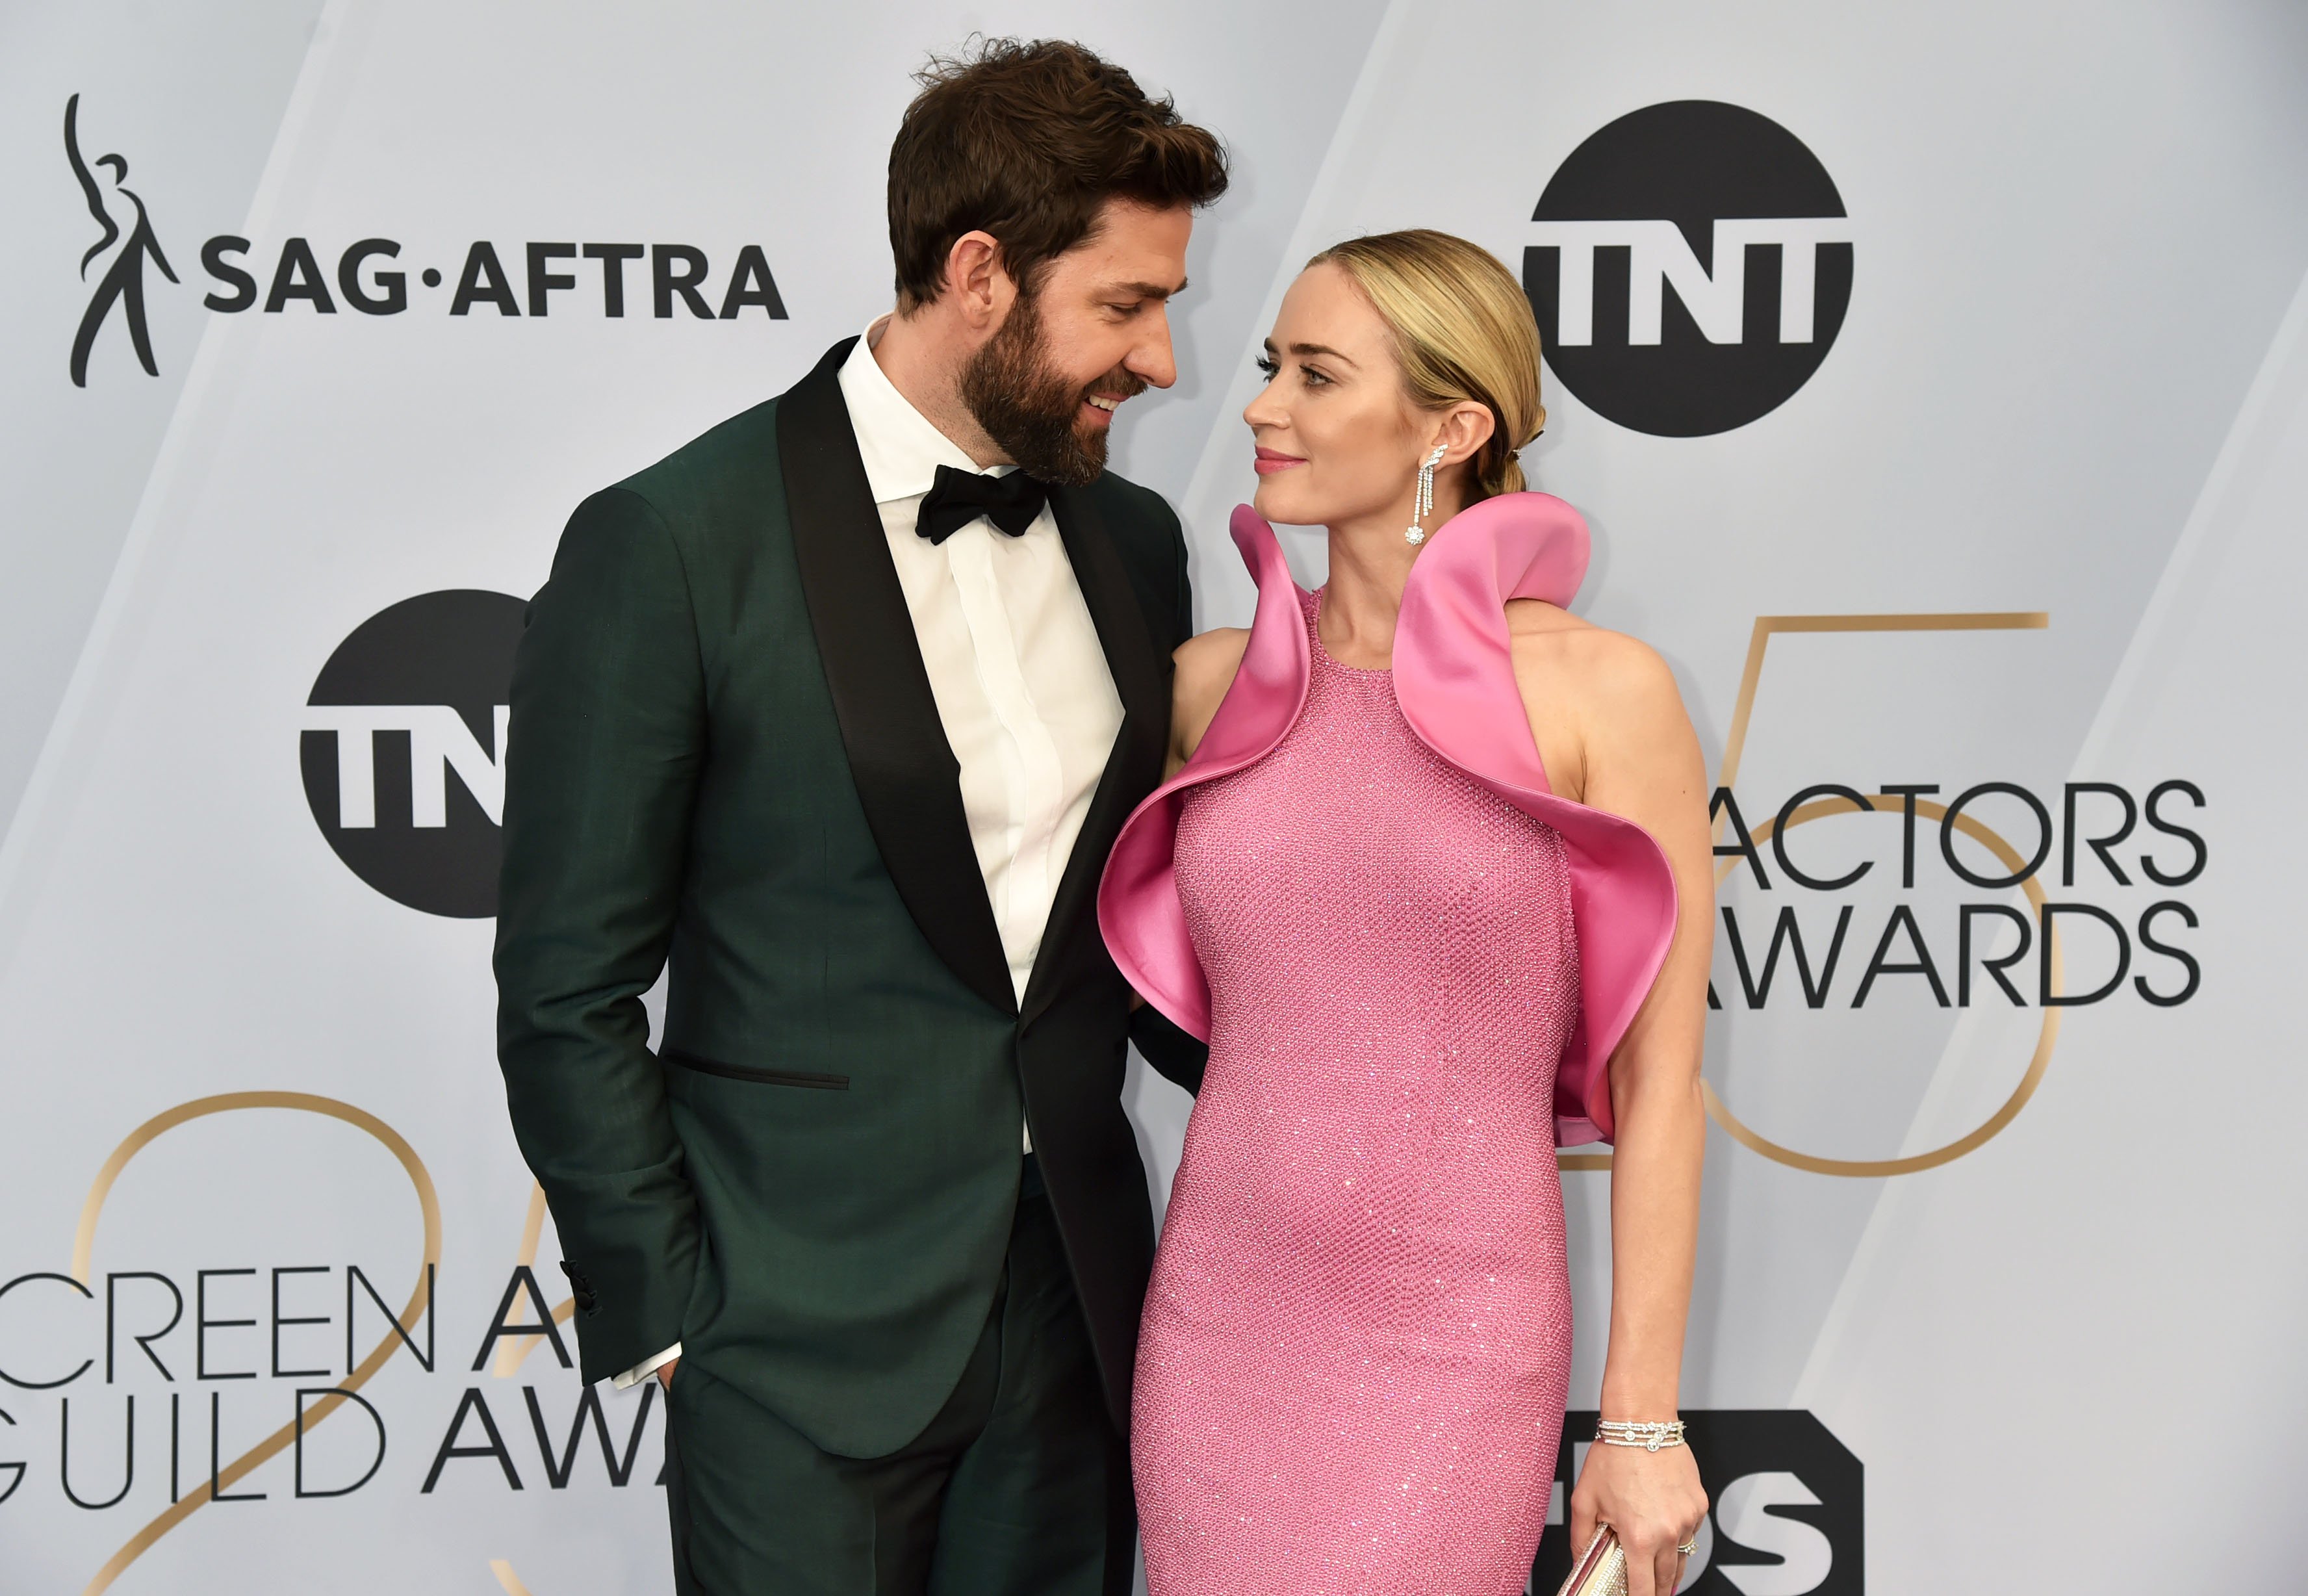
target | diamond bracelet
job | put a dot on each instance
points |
(1650, 1437)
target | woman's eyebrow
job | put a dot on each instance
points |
(1314, 349)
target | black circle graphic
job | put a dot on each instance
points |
(1691, 162)
(448, 650)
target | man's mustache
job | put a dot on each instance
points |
(1118, 383)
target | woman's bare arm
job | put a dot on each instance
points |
(1205, 664)
(1611, 708)
(1206, 667)
(1643, 763)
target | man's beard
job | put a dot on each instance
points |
(1031, 410)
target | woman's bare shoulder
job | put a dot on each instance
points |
(1217, 652)
(1609, 671)
(1206, 666)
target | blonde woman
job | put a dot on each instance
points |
(1431, 875)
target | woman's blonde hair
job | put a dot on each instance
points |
(1462, 330)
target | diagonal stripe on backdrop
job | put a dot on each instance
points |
(26, 848)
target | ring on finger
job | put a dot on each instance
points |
(1689, 1548)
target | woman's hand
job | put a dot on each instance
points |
(1652, 1501)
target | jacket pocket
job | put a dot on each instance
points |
(738, 1072)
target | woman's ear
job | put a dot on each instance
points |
(1466, 427)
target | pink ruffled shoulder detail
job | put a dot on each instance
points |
(1454, 680)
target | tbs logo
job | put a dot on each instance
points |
(1690, 265)
(1785, 1511)
(403, 749)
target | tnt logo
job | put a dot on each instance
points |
(1690, 265)
(403, 749)
(1785, 1511)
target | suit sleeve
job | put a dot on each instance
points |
(1173, 1053)
(1185, 626)
(602, 761)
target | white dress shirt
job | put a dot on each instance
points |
(1022, 684)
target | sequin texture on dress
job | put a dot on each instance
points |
(1357, 1346)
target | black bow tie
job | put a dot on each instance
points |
(957, 498)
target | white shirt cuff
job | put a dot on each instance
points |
(644, 1370)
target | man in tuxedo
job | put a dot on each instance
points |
(833, 714)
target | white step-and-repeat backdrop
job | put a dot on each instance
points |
(1935, 379)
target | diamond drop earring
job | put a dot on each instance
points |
(1423, 503)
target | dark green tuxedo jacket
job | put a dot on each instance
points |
(725, 761)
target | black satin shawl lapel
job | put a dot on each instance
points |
(908, 780)
(1142, 681)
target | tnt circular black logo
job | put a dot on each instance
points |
(403, 749)
(1690, 267)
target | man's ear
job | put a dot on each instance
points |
(978, 282)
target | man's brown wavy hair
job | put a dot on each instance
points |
(1027, 141)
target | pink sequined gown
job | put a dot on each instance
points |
(1357, 1345)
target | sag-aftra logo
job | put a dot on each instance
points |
(372, 276)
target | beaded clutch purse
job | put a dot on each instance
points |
(1601, 1569)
